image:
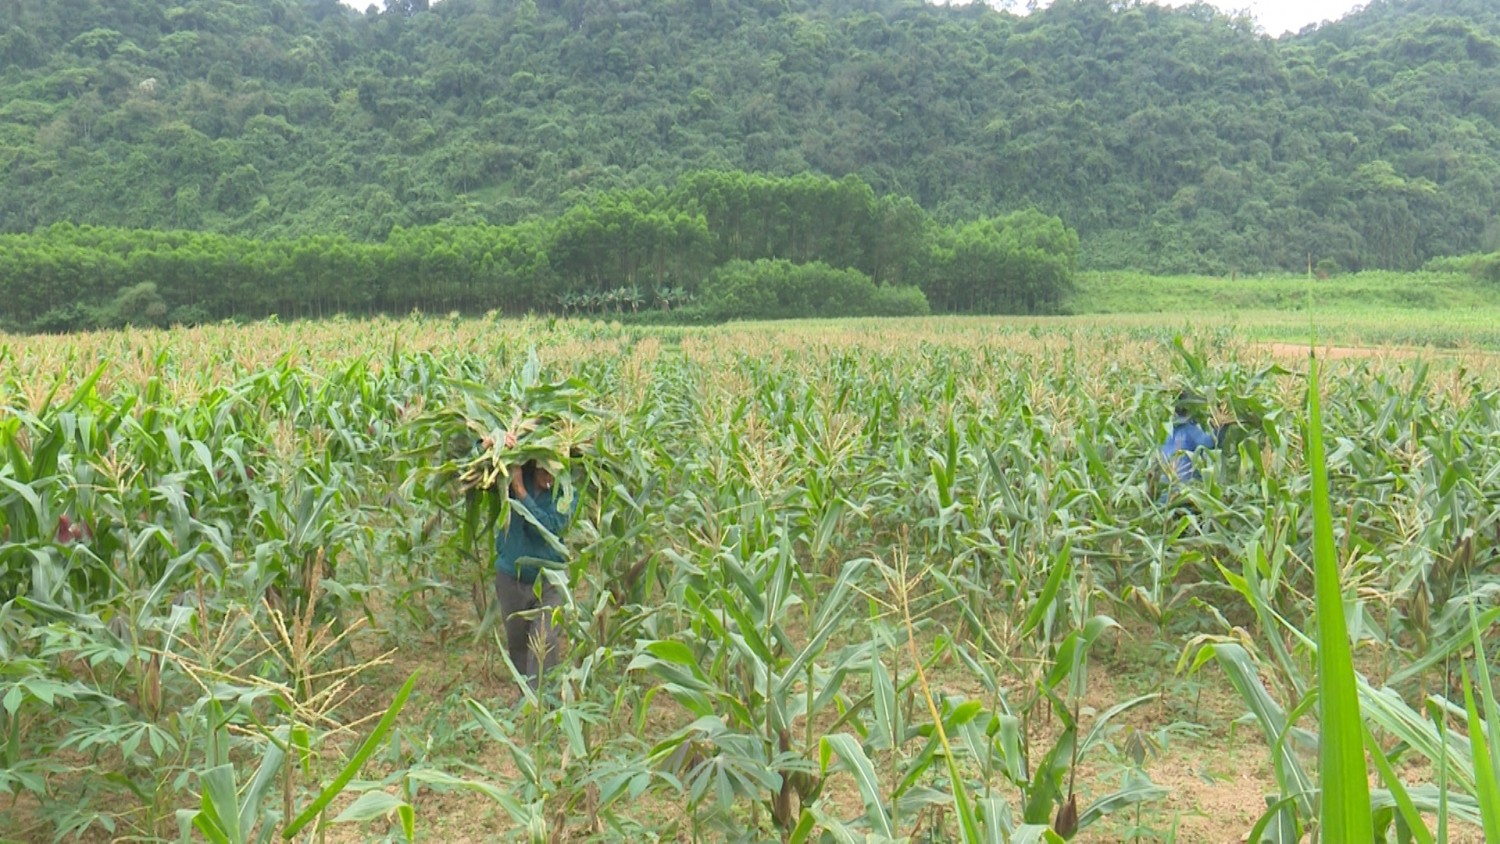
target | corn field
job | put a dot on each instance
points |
(867, 581)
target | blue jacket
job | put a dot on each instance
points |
(1186, 438)
(519, 538)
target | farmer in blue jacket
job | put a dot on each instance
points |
(521, 551)
(1186, 438)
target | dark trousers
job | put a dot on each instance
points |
(527, 618)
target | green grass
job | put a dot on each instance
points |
(1422, 310)
(1441, 310)
(1430, 312)
(1119, 292)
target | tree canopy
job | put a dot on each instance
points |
(1168, 139)
(716, 245)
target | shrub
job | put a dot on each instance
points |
(189, 315)
(1480, 266)
(899, 301)
(775, 289)
(65, 319)
(139, 305)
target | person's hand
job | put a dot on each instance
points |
(510, 439)
(517, 486)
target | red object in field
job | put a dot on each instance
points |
(68, 532)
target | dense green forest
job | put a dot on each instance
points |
(1170, 140)
(718, 246)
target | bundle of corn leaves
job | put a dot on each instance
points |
(1242, 401)
(552, 423)
(465, 445)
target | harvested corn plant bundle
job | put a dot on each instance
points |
(554, 425)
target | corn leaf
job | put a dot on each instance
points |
(1345, 803)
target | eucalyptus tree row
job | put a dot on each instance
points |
(621, 253)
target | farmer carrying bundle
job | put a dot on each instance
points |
(516, 474)
(1187, 437)
(528, 541)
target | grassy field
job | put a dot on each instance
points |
(866, 580)
(1441, 311)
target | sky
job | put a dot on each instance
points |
(1276, 17)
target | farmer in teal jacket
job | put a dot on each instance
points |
(521, 551)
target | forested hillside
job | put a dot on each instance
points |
(1169, 139)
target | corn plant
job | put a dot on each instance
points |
(254, 515)
(1339, 799)
(759, 677)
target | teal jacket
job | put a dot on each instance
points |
(520, 549)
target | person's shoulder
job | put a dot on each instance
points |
(557, 501)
